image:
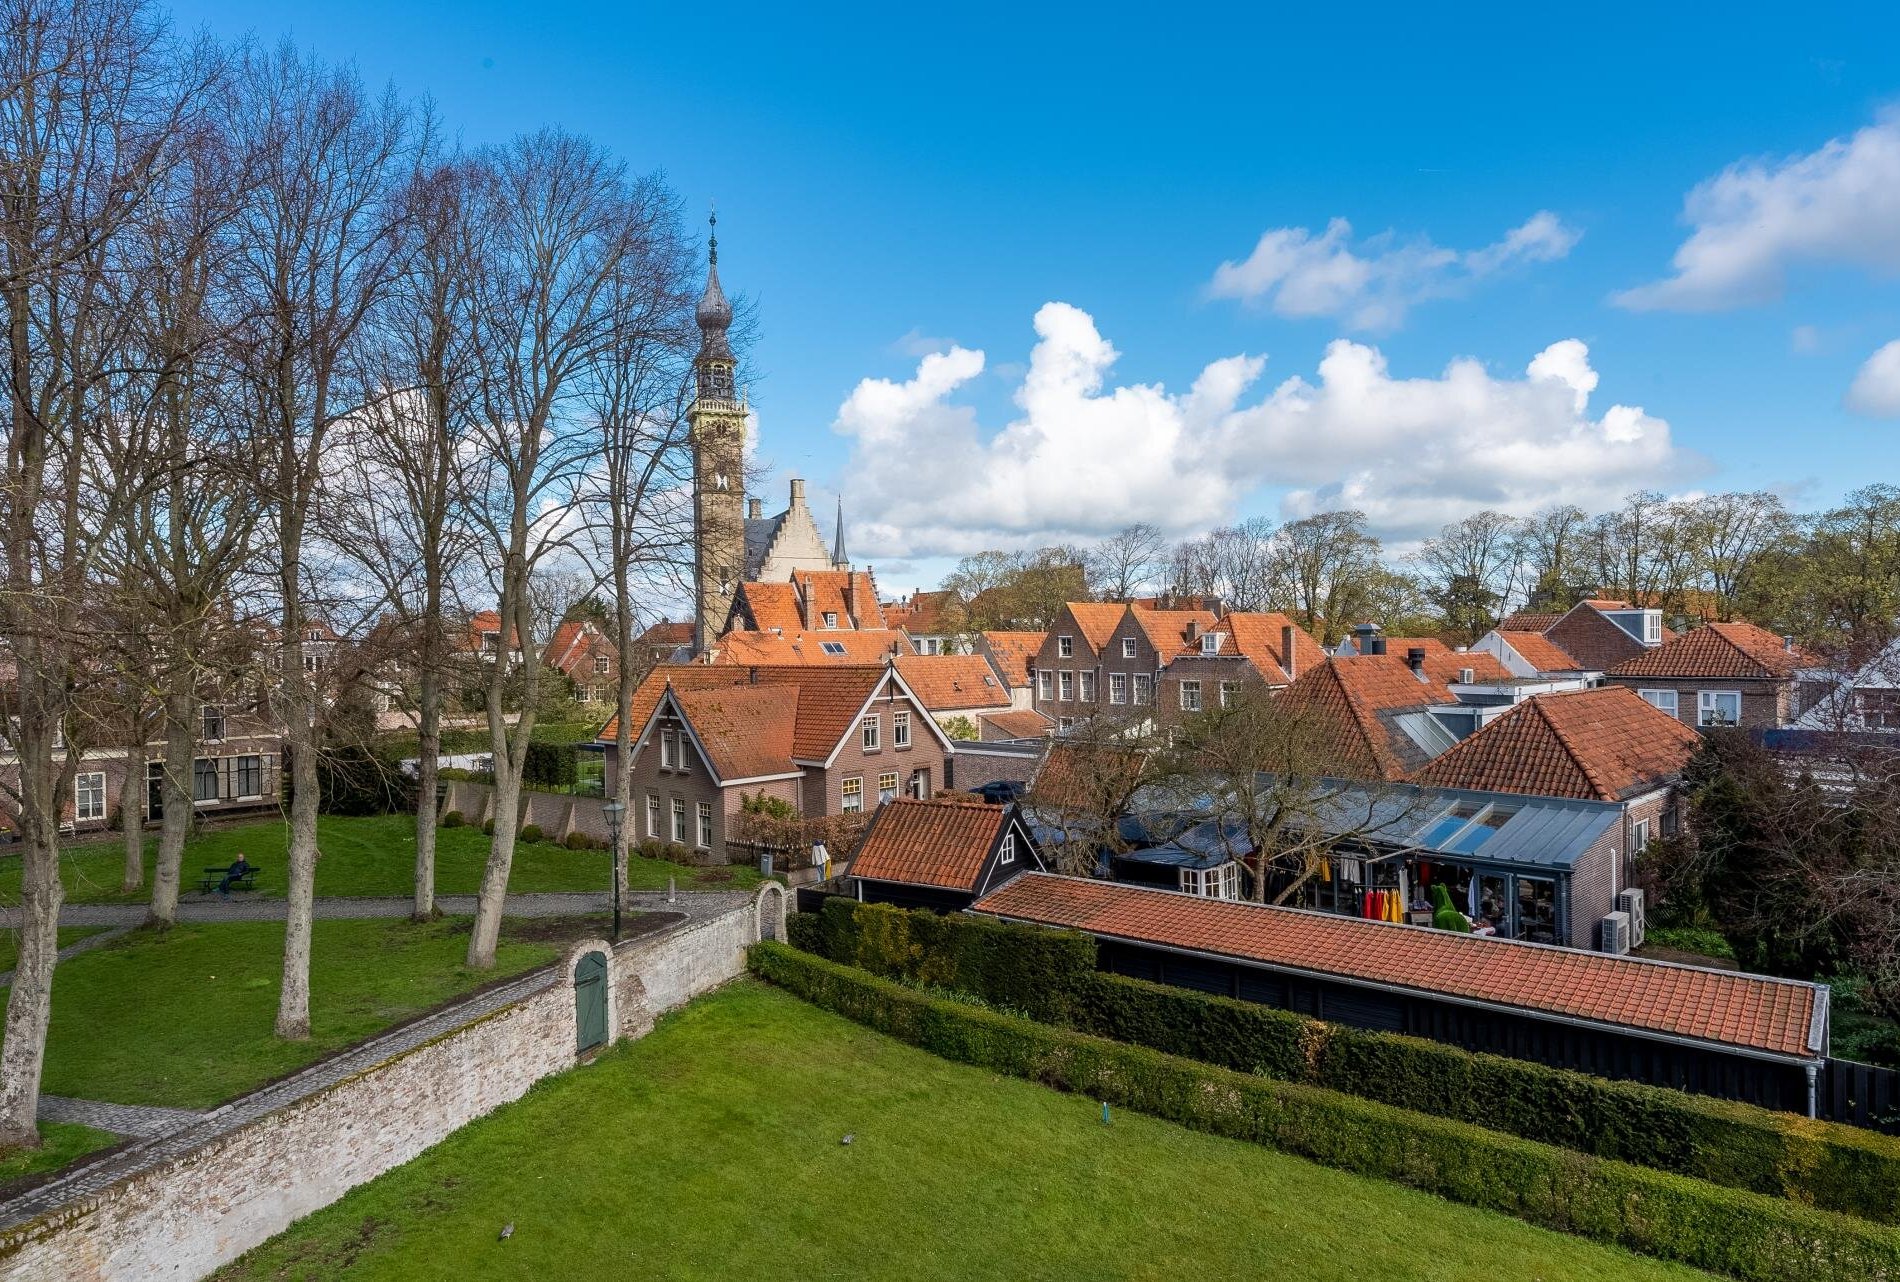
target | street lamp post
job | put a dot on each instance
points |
(613, 810)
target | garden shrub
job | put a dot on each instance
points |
(453, 819)
(551, 765)
(579, 841)
(1050, 975)
(529, 833)
(1744, 1234)
(488, 827)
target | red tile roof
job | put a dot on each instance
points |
(1529, 621)
(1724, 1007)
(822, 701)
(838, 592)
(746, 729)
(1540, 651)
(1739, 650)
(1012, 652)
(1025, 723)
(1095, 778)
(1446, 665)
(930, 843)
(869, 646)
(667, 632)
(953, 682)
(1095, 620)
(769, 605)
(1606, 744)
(1167, 630)
(1257, 638)
(1349, 702)
(930, 613)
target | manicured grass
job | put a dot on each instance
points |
(185, 1018)
(10, 942)
(711, 1150)
(370, 856)
(60, 1143)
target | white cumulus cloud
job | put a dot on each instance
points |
(1757, 218)
(1371, 287)
(1083, 458)
(1876, 388)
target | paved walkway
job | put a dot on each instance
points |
(120, 1119)
(85, 1177)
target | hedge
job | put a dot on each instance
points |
(1747, 1235)
(551, 765)
(1823, 1164)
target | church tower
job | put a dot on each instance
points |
(717, 422)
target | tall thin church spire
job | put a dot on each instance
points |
(838, 559)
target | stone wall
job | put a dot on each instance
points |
(186, 1217)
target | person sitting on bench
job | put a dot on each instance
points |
(236, 872)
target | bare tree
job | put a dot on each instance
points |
(317, 239)
(1237, 563)
(557, 239)
(1126, 562)
(1325, 567)
(1729, 538)
(1550, 547)
(93, 101)
(1471, 569)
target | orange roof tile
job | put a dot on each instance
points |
(1739, 650)
(1257, 638)
(847, 646)
(1096, 620)
(838, 592)
(1606, 744)
(746, 730)
(769, 606)
(1530, 620)
(827, 698)
(953, 682)
(1753, 1012)
(1351, 701)
(1167, 630)
(931, 613)
(1012, 652)
(1087, 777)
(668, 632)
(1025, 723)
(1540, 651)
(930, 843)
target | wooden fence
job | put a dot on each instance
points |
(1859, 1094)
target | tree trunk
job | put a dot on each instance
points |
(30, 1001)
(132, 809)
(487, 931)
(429, 743)
(293, 1003)
(175, 796)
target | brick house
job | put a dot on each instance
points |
(827, 740)
(1069, 668)
(1601, 745)
(1722, 674)
(958, 689)
(934, 622)
(1600, 633)
(582, 653)
(1013, 655)
(1371, 716)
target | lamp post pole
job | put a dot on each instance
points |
(613, 810)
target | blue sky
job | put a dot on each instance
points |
(898, 180)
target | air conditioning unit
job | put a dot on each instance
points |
(1630, 904)
(1614, 934)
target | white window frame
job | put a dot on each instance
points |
(1064, 724)
(851, 795)
(900, 730)
(1210, 642)
(1229, 692)
(919, 784)
(1142, 690)
(1705, 702)
(679, 820)
(1118, 687)
(1085, 686)
(1128, 647)
(211, 716)
(831, 619)
(1190, 696)
(833, 648)
(90, 785)
(601, 664)
(1652, 627)
(705, 816)
(1065, 647)
(653, 815)
(1045, 684)
(1065, 686)
(871, 734)
(1656, 699)
(669, 750)
(1006, 853)
(1639, 836)
(887, 782)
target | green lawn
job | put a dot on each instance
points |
(10, 942)
(711, 1150)
(370, 856)
(60, 1143)
(184, 1018)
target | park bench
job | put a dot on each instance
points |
(209, 882)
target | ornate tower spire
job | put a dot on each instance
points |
(838, 559)
(718, 423)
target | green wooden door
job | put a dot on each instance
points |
(590, 1000)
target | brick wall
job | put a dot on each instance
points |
(974, 765)
(185, 1218)
(1765, 704)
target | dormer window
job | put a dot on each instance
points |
(834, 648)
(1652, 627)
(831, 619)
(1210, 642)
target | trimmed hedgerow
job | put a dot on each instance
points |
(1050, 975)
(1744, 1234)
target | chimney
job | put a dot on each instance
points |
(752, 676)
(1193, 631)
(754, 510)
(1787, 643)
(1367, 639)
(1415, 660)
(1286, 650)
(851, 598)
(798, 491)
